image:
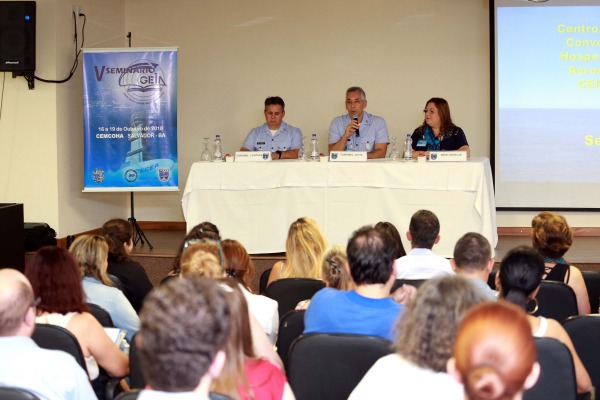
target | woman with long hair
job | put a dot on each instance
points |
(304, 250)
(426, 332)
(204, 230)
(518, 281)
(390, 229)
(494, 354)
(56, 280)
(91, 253)
(246, 375)
(552, 236)
(119, 236)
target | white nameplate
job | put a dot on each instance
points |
(341, 156)
(252, 156)
(447, 156)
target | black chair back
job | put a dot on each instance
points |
(136, 376)
(101, 315)
(413, 282)
(584, 331)
(492, 279)
(288, 292)
(10, 393)
(557, 376)
(592, 284)
(264, 280)
(556, 300)
(329, 366)
(58, 338)
(291, 325)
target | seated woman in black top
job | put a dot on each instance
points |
(438, 132)
(119, 235)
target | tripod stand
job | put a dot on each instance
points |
(138, 233)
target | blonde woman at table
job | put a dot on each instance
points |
(304, 251)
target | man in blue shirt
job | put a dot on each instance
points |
(276, 136)
(358, 130)
(368, 309)
(473, 260)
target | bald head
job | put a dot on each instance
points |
(16, 296)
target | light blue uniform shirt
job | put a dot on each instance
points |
(286, 138)
(372, 131)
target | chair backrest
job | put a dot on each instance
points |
(101, 315)
(592, 284)
(133, 394)
(10, 393)
(492, 279)
(556, 300)
(413, 282)
(136, 376)
(264, 280)
(584, 331)
(58, 338)
(291, 325)
(329, 366)
(557, 376)
(288, 292)
(116, 282)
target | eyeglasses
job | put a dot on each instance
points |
(426, 111)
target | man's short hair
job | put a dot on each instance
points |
(358, 89)
(472, 252)
(274, 100)
(184, 323)
(424, 228)
(370, 256)
(16, 296)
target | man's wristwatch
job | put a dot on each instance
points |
(279, 153)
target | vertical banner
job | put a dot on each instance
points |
(130, 119)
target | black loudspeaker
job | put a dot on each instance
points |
(17, 36)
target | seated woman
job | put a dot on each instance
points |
(304, 250)
(204, 230)
(239, 266)
(55, 278)
(494, 353)
(245, 374)
(518, 281)
(119, 235)
(552, 237)
(426, 332)
(91, 253)
(390, 229)
(438, 132)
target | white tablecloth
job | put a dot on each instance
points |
(256, 202)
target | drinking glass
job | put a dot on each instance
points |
(395, 154)
(206, 156)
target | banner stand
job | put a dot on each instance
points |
(138, 233)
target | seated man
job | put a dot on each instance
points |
(358, 130)
(420, 262)
(281, 139)
(49, 374)
(184, 326)
(368, 309)
(473, 260)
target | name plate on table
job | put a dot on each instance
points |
(447, 156)
(342, 156)
(252, 156)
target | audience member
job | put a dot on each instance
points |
(304, 250)
(276, 136)
(426, 332)
(238, 266)
(420, 262)
(204, 230)
(368, 309)
(494, 353)
(200, 259)
(91, 252)
(119, 235)
(358, 130)
(390, 229)
(56, 280)
(182, 362)
(246, 375)
(48, 374)
(473, 260)
(552, 237)
(518, 281)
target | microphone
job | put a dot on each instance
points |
(355, 118)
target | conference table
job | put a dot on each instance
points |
(255, 203)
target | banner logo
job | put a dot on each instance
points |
(131, 175)
(164, 174)
(143, 81)
(98, 175)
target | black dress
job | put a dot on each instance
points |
(134, 279)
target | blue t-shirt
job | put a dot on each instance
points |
(336, 311)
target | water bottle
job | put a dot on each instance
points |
(218, 156)
(408, 148)
(314, 148)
